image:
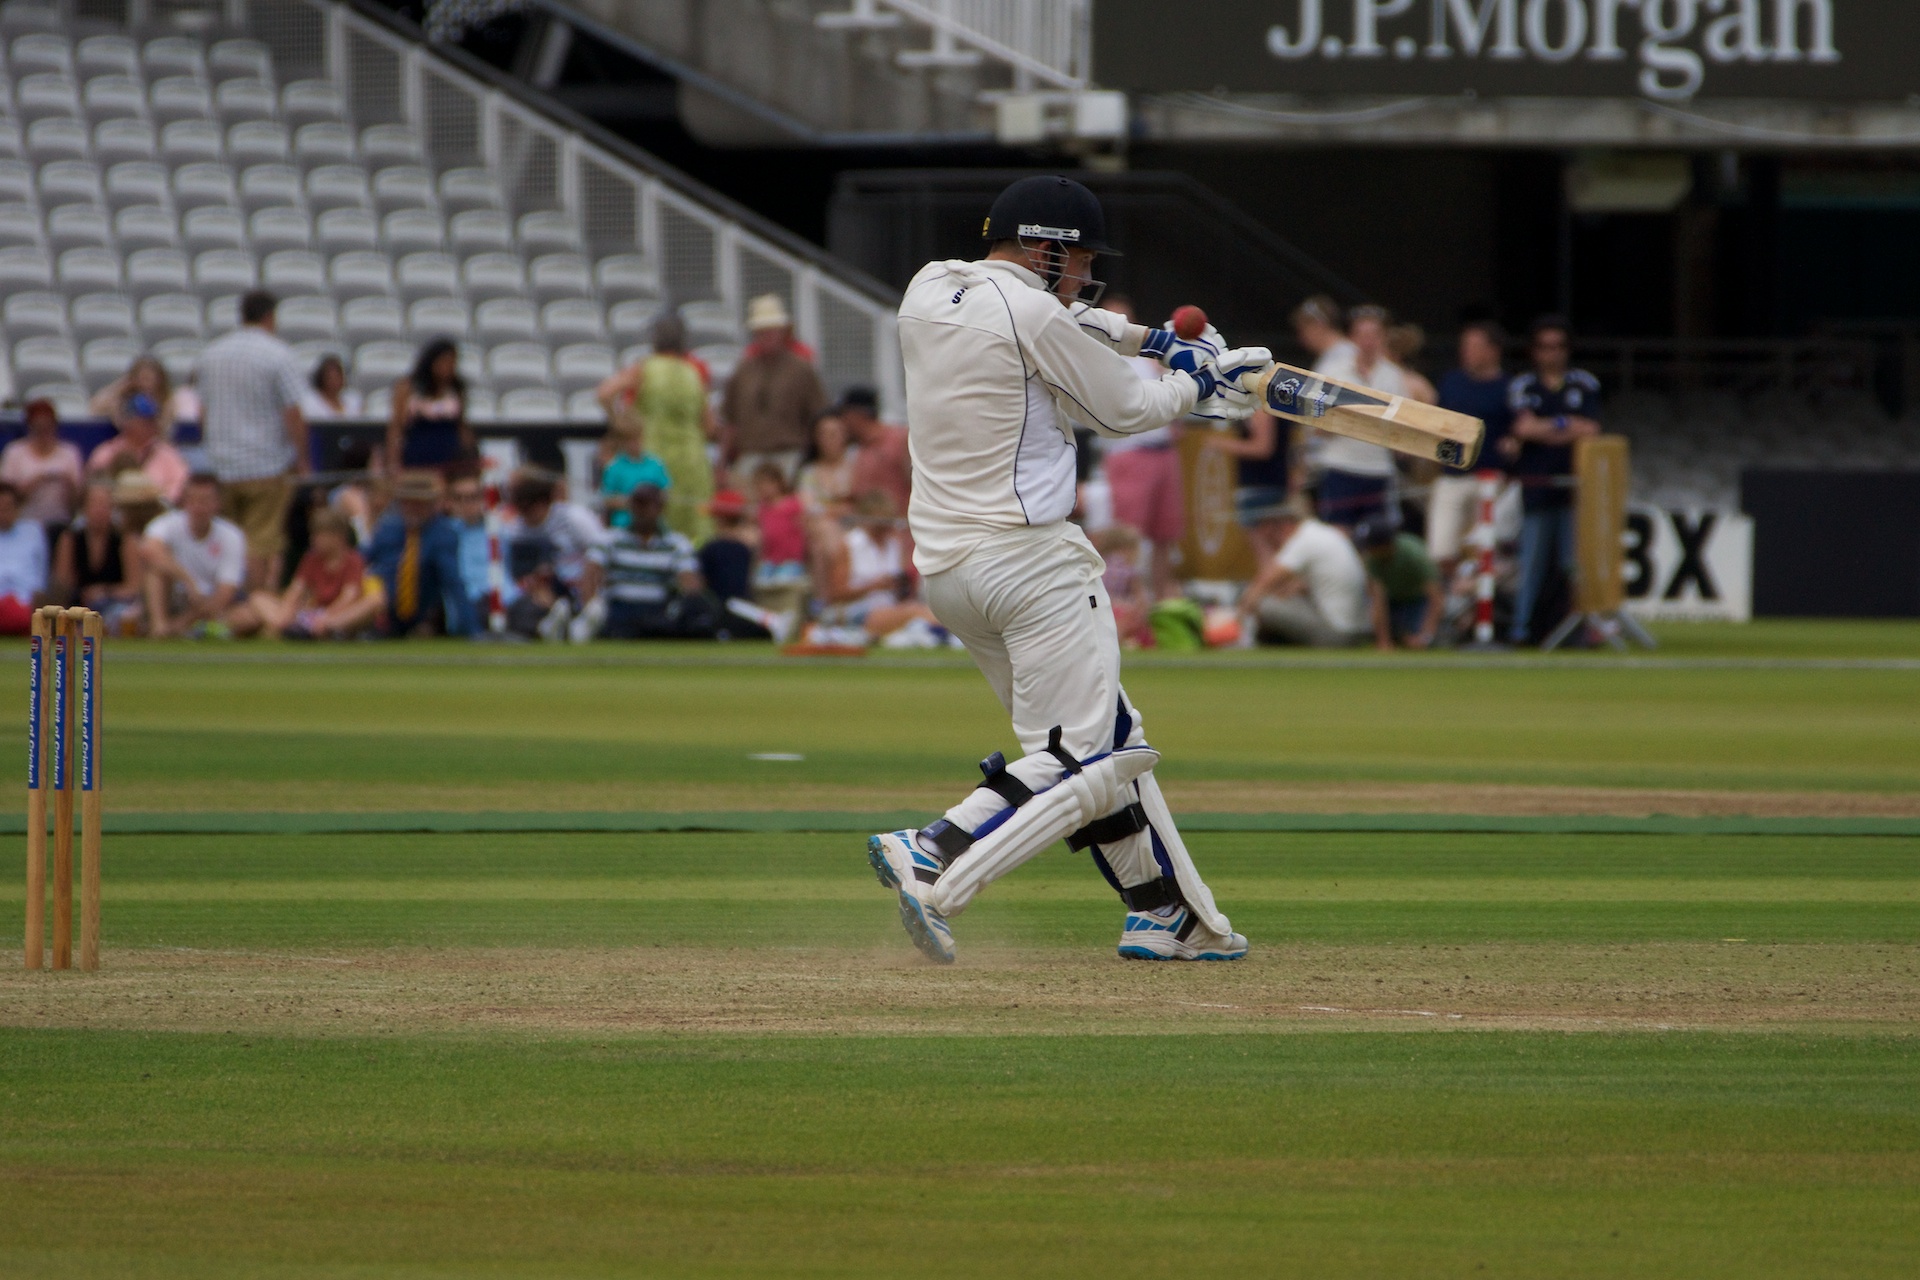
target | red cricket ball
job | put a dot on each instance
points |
(1189, 322)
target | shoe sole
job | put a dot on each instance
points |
(1144, 953)
(912, 915)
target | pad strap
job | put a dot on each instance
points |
(1002, 783)
(950, 840)
(1060, 753)
(1152, 895)
(1111, 829)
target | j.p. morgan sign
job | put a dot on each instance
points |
(1666, 50)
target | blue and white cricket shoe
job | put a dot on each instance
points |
(1179, 936)
(900, 864)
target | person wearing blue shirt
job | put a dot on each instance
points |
(416, 553)
(1554, 406)
(1479, 389)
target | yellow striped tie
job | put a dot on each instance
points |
(406, 583)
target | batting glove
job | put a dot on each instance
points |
(1222, 382)
(1184, 354)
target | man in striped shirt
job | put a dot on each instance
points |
(256, 435)
(652, 574)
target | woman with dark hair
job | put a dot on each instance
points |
(330, 397)
(666, 393)
(428, 426)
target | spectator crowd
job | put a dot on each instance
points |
(759, 507)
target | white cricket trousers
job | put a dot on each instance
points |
(1031, 609)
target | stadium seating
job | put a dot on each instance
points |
(147, 180)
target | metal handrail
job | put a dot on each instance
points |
(1049, 41)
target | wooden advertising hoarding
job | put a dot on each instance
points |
(1215, 547)
(1603, 475)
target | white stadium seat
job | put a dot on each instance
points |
(371, 320)
(338, 186)
(178, 356)
(238, 100)
(413, 231)
(438, 318)
(11, 145)
(179, 98)
(66, 181)
(634, 321)
(481, 406)
(377, 403)
(554, 276)
(462, 189)
(257, 142)
(325, 142)
(280, 228)
(518, 364)
(41, 51)
(221, 271)
(137, 182)
(173, 56)
(74, 226)
(379, 364)
(113, 98)
(146, 226)
(16, 181)
(493, 275)
(153, 271)
(582, 365)
(573, 320)
(117, 140)
(20, 225)
(428, 275)
(88, 271)
(549, 233)
(240, 59)
(709, 322)
(340, 230)
(186, 141)
(69, 398)
(721, 359)
(305, 101)
(404, 186)
(625, 276)
(530, 404)
(223, 314)
(104, 359)
(584, 406)
(308, 354)
(360, 274)
(46, 93)
(23, 267)
(479, 231)
(213, 226)
(57, 138)
(172, 315)
(203, 184)
(304, 319)
(385, 144)
(36, 312)
(45, 359)
(107, 55)
(505, 320)
(293, 272)
(267, 186)
(102, 315)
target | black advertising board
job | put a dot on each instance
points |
(1662, 50)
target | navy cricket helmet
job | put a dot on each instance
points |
(1049, 208)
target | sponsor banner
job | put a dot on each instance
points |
(1689, 566)
(1662, 50)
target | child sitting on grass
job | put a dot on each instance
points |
(1119, 546)
(783, 528)
(628, 466)
(332, 596)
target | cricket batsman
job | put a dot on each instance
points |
(999, 355)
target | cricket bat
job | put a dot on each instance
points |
(1347, 409)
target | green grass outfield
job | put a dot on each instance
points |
(1497, 1044)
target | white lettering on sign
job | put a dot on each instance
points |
(1678, 40)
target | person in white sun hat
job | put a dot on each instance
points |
(773, 397)
(999, 355)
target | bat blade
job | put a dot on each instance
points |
(1344, 408)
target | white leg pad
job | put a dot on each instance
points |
(1199, 898)
(1066, 806)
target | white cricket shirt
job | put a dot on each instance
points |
(995, 365)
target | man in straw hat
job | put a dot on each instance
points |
(415, 552)
(1002, 356)
(773, 397)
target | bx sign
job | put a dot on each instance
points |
(1689, 565)
(1665, 50)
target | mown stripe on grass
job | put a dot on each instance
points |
(403, 823)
